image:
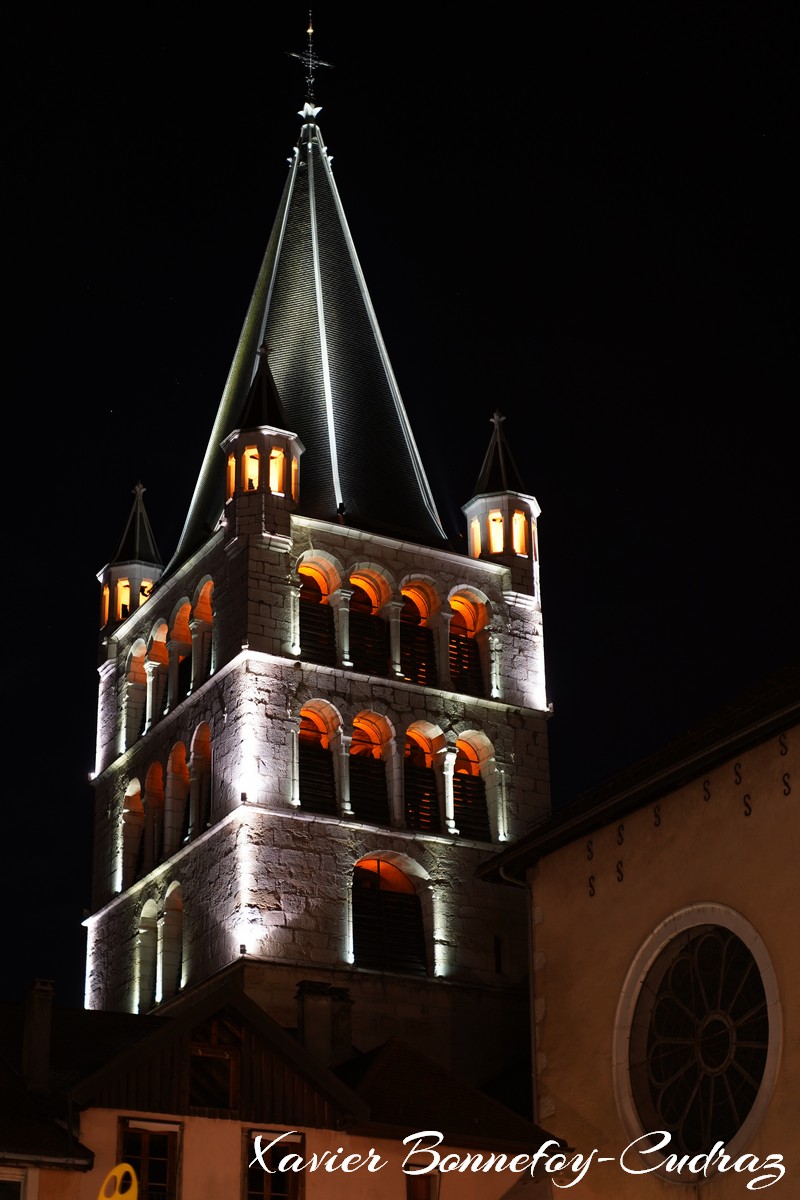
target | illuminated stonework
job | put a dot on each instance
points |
(310, 734)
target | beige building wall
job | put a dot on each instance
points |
(725, 847)
(212, 1162)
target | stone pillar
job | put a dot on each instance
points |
(340, 602)
(440, 626)
(295, 583)
(393, 608)
(201, 632)
(340, 747)
(448, 761)
(490, 644)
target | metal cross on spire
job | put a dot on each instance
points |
(310, 61)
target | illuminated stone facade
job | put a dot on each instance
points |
(314, 730)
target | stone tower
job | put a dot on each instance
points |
(321, 719)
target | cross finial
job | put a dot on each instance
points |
(497, 419)
(310, 61)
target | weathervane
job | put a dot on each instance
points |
(310, 61)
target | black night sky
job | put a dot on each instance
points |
(583, 218)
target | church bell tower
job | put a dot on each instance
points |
(323, 719)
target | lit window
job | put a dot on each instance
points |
(265, 1179)
(145, 588)
(475, 538)
(152, 1150)
(123, 598)
(276, 462)
(250, 463)
(496, 531)
(519, 533)
(231, 475)
(106, 604)
(295, 474)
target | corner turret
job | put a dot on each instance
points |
(263, 463)
(501, 516)
(128, 579)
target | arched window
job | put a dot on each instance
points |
(200, 781)
(153, 840)
(420, 789)
(466, 669)
(470, 810)
(315, 761)
(176, 796)
(369, 794)
(132, 833)
(369, 634)
(157, 668)
(135, 694)
(180, 649)
(388, 931)
(171, 949)
(146, 958)
(417, 648)
(317, 626)
(201, 628)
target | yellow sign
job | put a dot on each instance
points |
(120, 1182)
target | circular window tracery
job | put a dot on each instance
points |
(699, 1039)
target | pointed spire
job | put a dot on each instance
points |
(138, 543)
(263, 404)
(331, 369)
(499, 472)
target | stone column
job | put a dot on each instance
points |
(393, 608)
(448, 761)
(340, 748)
(340, 602)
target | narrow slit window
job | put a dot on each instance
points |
(276, 469)
(295, 475)
(475, 537)
(519, 533)
(250, 464)
(496, 531)
(231, 488)
(106, 605)
(123, 598)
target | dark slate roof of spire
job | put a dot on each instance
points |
(331, 370)
(138, 543)
(263, 404)
(499, 472)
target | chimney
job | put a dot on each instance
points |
(323, 1021)
(36, 1036)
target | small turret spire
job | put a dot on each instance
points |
(138, 543)
(310, 61)
(499, 472)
